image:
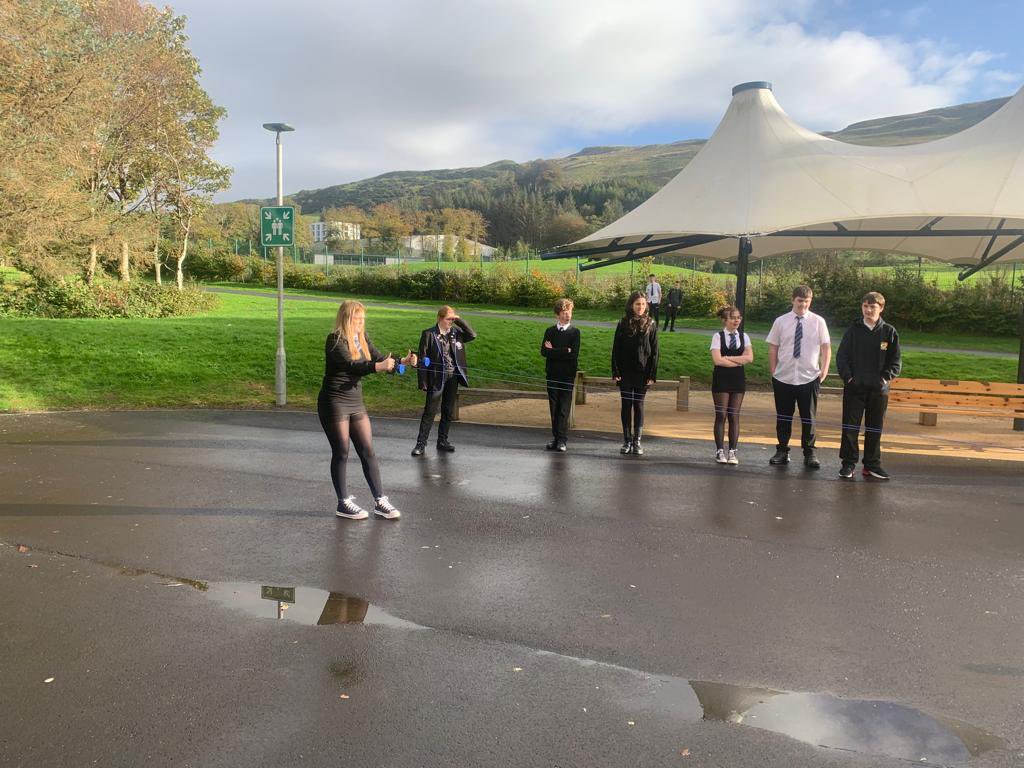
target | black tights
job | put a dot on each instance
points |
(727, 406)
(356, 428)
(632, 409)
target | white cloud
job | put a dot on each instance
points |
(398, 84)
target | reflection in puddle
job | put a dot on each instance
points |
(871, 727)
(302, 605)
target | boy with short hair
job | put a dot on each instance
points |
(652, 291)
(868, 359)
(675, 301)
(561, 352)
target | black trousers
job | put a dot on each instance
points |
(444, 399)
(670, 315)
(869, 404)
(654, 310)
(560, 402)
(789, 397)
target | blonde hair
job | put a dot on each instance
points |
(343, 329)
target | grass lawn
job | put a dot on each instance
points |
(919, 338)
(226, 358)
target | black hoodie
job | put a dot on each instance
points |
(869, 357)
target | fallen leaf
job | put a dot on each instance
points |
(517, 669)
(49, 680)
(22, 548)
(606, 615)
(33, 566)
(630, 722)
(343, 696)
(684, 753)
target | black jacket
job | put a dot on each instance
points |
(432, 378)
(869, 357)
(561, 361)
(675, 297)
(635, 357)
(341, 372)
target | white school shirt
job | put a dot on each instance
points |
(788, 369)
(716, 341)
(654, 293)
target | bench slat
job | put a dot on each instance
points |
(959, 387)
(950, 400)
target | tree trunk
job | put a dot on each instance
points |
(125, 263)
(179, 275)
(156, 262)
(90, 267)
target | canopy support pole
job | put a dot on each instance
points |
(742, 266)
(1018, 424)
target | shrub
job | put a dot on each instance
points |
(73, 298)
(202, 265)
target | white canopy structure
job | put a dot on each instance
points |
(764, 185)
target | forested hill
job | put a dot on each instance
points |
(655, 163)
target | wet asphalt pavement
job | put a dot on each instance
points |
(530, 609)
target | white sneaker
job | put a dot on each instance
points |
(720, 456)
(732, 457)
(384, 508)
(348, 508)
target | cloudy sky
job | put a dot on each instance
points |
(380, 85)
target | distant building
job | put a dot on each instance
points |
(343, 230)
(430, 245)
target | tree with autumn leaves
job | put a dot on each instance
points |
(105, 136)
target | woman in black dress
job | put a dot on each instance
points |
(350, 355)
(730, 352)
(634, 368)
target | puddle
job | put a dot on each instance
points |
(868, 727)
(300, 605)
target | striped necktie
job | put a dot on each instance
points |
(732, 340)
(798, 336)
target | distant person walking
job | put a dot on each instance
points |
(561, 350)
(799, 352)
(673, 300)
(652, 292)
(445, 345)
(868, 360)
(634, 368)
(731, 351)
(350, 355)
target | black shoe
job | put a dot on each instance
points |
(627, 443)
(811, 461)
(418, 450)
(638, 449)
(781, 457)
(444, 445)
(552, 446)
(876, 473)
(561, 447)
(846, 471)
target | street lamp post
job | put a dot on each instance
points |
(280, 366)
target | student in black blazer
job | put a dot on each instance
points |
(634, 368)
(445, 345)
(561, 351)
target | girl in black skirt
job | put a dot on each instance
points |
(730, 351)
(350, 355)
(634, 368)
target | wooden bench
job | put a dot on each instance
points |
(930, 397)
(680, 387)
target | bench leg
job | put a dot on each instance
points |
(580, 396)
(683, 394)
(926, 419)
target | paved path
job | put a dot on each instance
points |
(530, 609)
(581, 323)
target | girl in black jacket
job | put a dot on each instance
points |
(634, 368)
(350, 355)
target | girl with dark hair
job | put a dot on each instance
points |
(350, 355)
(730, 351)
(634, 368)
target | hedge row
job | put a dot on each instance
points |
(985, 305)
(72, 298)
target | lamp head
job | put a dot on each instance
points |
(278, 127)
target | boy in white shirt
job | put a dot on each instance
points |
(799, 353)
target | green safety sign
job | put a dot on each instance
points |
(277, 225)
(281, 594)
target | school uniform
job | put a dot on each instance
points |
(560, 366)
(729, 379)
(674, 299)
(868, 359)
(797, 378)
(652, 291)
(440, 380)
(634, 363)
